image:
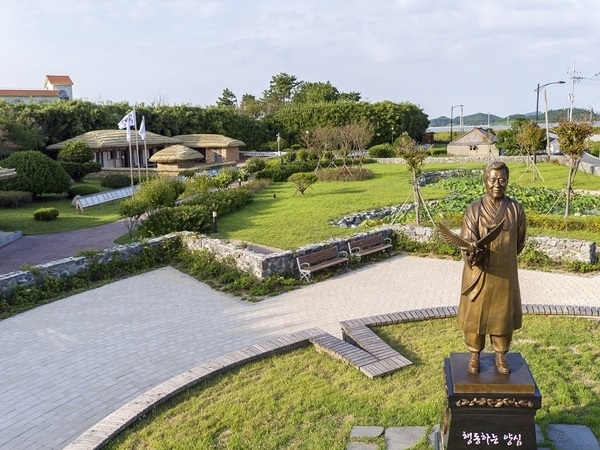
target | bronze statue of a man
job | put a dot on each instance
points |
(490, 302)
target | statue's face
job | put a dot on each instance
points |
(495, 184)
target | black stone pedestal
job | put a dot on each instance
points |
(489, 410)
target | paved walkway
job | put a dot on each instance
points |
(43, 248)
(66, 365)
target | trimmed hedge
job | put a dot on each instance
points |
(82, 190)
(79, 170)
(14, 199)
(117, 181)
(45, 214)
(196, 215)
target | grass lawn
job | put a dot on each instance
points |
(308, 400)
(14, 219)
(279, 218)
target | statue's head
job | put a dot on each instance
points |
(496, 180)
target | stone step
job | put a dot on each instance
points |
(563, 437)
(369, 364)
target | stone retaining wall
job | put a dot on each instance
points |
(263, 265)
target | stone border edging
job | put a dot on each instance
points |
(102, 432)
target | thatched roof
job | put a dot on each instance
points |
(175, 153)
(208, 141)
(5, 174)
(108, 139)
(477, 136)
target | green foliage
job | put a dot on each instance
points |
(224, 275)
(530, 137)
(227, 99)
(159, 191)
(76, 152)
(415, 156)
(465, 189)
(382, 151)
(573, 137)
(302, 180)
(198, 184)
(81, 189)
(45, 214)
(507, 139)
(196, 214)
(254, 165)
(15, 199)
(117, 180)
(224, 178)
(77, 171)
(283, 172)
(36, 173)
(351, 174)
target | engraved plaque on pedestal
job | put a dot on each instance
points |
(489, 409)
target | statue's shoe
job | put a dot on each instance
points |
(502, 363)
(473, 366)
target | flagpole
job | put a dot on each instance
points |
(130, 166)
(145, 148)
(137, 150)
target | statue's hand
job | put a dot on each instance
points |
(473, 255)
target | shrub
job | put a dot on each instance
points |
(76, 152)
(196, 215)
(382, 151)
(14, 199)
(81, 189)
(344, 175)
(36, 173)
(303, 180)
(254, 165)
(79, 170)
(283, 172)
(116, 181)
(45, 214)
(437, 152)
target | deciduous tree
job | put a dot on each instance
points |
(573, 141)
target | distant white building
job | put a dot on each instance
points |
(56, 87)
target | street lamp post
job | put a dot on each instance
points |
(452, 118)
(278, 144)
(537, 103)
(392, 135)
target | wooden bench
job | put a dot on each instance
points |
(368, 245)
(312, 262)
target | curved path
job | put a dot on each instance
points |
(66, 365)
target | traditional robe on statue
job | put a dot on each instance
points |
(490, 300)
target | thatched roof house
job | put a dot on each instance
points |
(111, 148)
(176, 157)
(215, 148)
(477, 142)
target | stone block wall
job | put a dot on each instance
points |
(263, 265)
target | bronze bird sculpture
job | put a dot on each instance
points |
(463, 244)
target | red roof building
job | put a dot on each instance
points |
(56, 87)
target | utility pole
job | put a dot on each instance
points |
(574, 77)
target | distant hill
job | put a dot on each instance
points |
(478, 119)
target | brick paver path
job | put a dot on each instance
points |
(66, 365)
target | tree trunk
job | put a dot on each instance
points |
(572, 169)
(417, 198)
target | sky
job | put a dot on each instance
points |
(488, 56)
